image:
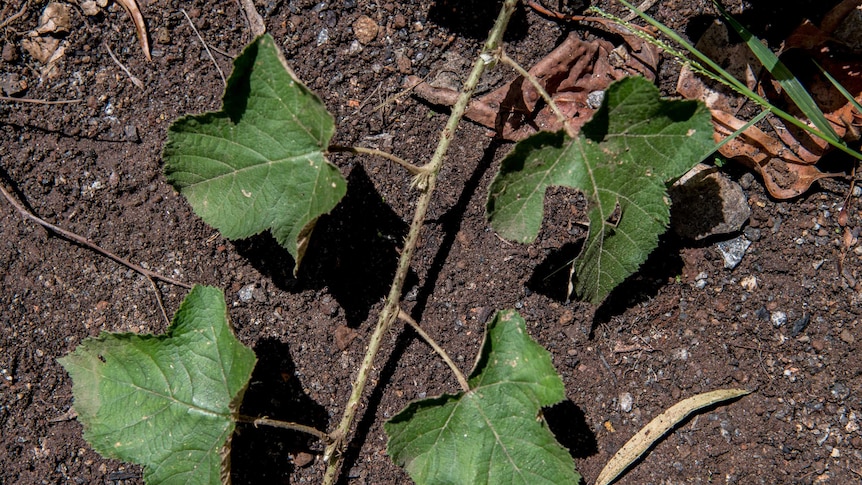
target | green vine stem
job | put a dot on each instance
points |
(459, 376)
(333, 453)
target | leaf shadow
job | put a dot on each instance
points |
(258, 453)
(450, 223)
(662, 265)
(353, 251)
(569, 424)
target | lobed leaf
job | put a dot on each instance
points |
(491, 434)
(258, 163)
(621, 160)
(166, 402)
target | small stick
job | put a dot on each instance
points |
(223, 52)
(137, 82)
(442, 353)
(285, 425)
(255, 21)
(206, 47)
(643, 7)
(39, 101)
(378, 153)
(87, 243)
(159, 300)
(16, 16)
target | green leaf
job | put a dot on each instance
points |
(621, 160)
(491, 434)
(167, 402)
(259, 163)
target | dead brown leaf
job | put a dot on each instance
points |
(786, 157)
(570, 74)
(134, 12)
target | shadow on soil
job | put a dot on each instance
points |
(474, 18)
(450, 224)
(569, 424)
(352, 252)
(772, 20)
(259, 454)
(551, 278)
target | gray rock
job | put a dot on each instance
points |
(706, 202)
(733, 250)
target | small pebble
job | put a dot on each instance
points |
(749, 283)
(163, 36)
(246, 293)
(322, 36)
(778, 318)
(595, 98)
(800, 325)
(303, 459)
(626, 401)
(846, 336)
(857, 191)
(365, 29)
(131, 132)
(752, 233)
(733, 250)
(10, 53)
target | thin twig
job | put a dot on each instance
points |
(206, 47)
(333, 453)
(16, 16)
(87, 243)
(222, 52)
(285, 425)
(442, 353)
(542, 92)
(255, 21)
(378, 153)
(39, 101)
(137, 82)
(643, 7)
(159, 301)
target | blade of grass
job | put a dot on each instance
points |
(782, 74)
(742, 129)
(839, 87)
(725, 77)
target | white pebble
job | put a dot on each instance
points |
(626, 401)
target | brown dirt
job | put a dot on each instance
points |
(95, 168)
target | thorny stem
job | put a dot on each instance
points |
(542, 92)
(275, 423)
(333, 454)
(442, 353)
(378, 153)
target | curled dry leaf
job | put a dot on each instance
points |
(785, 158)
(140, 27)
(55, 19)
(570, 73)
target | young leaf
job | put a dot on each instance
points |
(621, 160)
(258, 164)
(491, 434)
(167, 402)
